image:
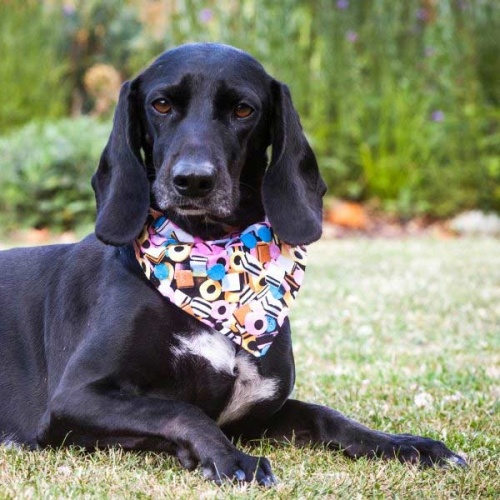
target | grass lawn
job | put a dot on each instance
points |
(402, 335)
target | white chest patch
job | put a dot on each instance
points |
(217, 349)
(249, 387)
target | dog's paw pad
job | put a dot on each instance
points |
(240, 475)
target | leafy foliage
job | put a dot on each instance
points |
(31, 66)
(45, 172)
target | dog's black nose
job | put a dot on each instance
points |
(193, 180)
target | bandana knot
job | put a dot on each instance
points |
(241, 285)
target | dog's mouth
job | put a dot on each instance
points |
(190, 209)
(216, 207)
(207, 223)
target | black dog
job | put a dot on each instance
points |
(93, 355)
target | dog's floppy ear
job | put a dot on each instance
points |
(292, 189)
(120, 183)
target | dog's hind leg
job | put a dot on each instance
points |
(309, 424)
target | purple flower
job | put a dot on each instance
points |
(68, 9)
(429, 51)
(351, 36)
(205, 15)
(422, 15)
(437, 115)
(342, 4)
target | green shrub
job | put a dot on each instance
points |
(45, 172)
(32, 69)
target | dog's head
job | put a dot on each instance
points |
(190, 137)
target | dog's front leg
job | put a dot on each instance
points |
(313, 424)
(92, 416)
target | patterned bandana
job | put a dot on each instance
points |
(242, 285)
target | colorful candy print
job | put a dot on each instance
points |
(242, 285)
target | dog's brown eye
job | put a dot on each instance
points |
(243, 110)
(162, 106)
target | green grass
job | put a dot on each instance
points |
(401, 335)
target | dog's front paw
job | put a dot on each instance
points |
(240, 467)
(424, 451)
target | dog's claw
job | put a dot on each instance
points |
(456, 461)
(268, 481)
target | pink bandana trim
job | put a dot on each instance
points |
(241, 285)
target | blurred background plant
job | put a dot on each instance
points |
(401, 100)
(32, 66)
(45, 173)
